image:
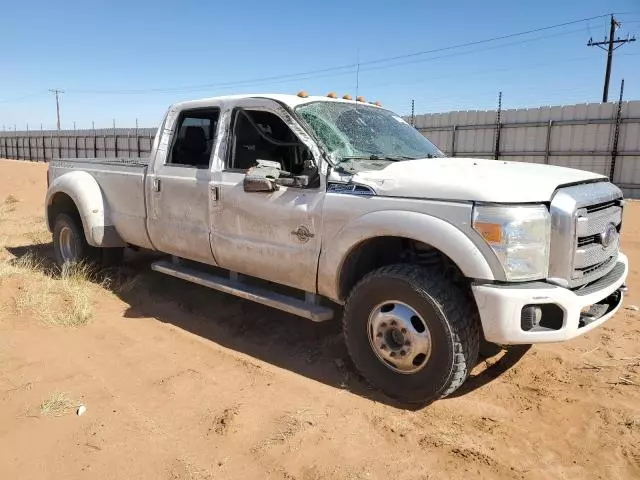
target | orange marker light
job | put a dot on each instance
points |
(346, 97)
(377, 103)
(491, 232)
(360, 99)
(303, 94)
(332, 95)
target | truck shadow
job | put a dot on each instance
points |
(314, 350)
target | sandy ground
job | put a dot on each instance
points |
(181, 382)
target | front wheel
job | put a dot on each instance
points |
(412, 332)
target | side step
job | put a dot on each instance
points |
(285, 303)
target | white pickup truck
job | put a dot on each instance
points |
(316, 205)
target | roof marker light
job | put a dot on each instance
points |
(346, 97)
(332, 95)
(303, 94)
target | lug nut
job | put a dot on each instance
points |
(402, 353)
(407, 343)
(393, 323)
(383, 325)
(383, 347)
(403, 330)
(393, 354)
(379, 334)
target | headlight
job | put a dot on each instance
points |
(519, 236)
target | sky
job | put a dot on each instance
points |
(127, 61)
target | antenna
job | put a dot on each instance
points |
(357, 74)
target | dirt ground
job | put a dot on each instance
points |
(180, 382)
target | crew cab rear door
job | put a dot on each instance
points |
(271, 235)
(178, 184)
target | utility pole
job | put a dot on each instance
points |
(57, 92)
(498, 127)
(616, 135)
(413, 113)
(610, 42)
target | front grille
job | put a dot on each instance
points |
(586, 221)
(600, 206)
(588, 240)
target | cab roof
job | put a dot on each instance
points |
(291, 101)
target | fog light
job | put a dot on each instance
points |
(530, 317)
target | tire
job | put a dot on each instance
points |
(444, 310)
(67, 230)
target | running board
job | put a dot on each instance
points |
(266, 297)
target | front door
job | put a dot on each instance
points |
(271, 235)
(179, 184)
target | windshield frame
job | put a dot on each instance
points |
(330, 156)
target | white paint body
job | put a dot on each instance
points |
(206, 216)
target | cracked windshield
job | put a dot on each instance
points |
(364, 138)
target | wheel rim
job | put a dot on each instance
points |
(68, 245)
(400, 337)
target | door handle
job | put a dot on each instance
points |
(156, 184)
(215, 193)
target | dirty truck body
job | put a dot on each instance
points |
(346, 208)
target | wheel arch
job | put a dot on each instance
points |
(381, 238)
(79, 194)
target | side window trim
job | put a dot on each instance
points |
(178, 125)
(231, 149)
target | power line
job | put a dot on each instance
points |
(17, 99)
(349, 67)
(279, 80)
(610, 48)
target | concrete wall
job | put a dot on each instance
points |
(578, 136)
(48, 145)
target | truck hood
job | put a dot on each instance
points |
(471, 179)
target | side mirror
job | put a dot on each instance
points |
(253, 183)
(295, 181)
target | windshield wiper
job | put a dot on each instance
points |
(389, 158)
(372, 157)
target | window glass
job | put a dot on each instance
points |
(362, 137)
(262, 138)
(195, 138)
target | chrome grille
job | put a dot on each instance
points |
(580, 217)
(594, 223)
(593, 254)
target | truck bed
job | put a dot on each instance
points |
(107, 161)
(122, 182)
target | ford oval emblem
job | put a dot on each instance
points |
(608, 235)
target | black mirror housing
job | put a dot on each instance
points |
(255, 183)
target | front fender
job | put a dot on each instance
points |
(94, 211)
(412, 225)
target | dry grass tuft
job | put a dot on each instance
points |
(56, 405)
(11, 200)
(131, 284)
(19, 266)
(64, 300)
(7, 206)
(38, 232)
(73, 288)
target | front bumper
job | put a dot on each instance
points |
(500, 307)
